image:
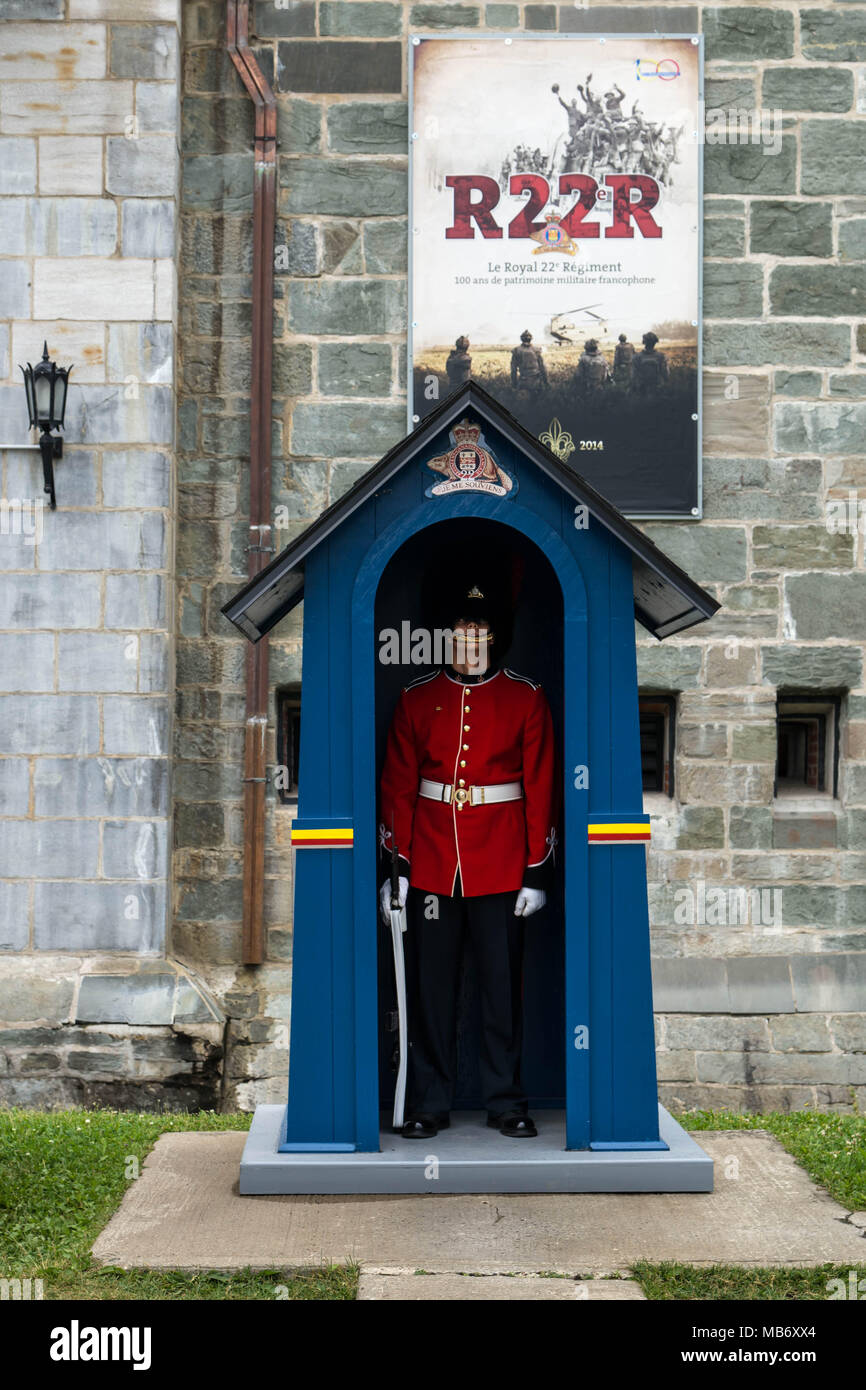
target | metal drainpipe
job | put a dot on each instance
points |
(260, 544)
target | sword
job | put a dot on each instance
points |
(398, 926)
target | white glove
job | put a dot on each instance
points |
(385, 898)
(529, 900)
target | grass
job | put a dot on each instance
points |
(63, 1174)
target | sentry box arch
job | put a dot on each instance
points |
(589, 1057)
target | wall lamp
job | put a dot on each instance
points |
(46, 386)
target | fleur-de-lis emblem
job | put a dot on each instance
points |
(558, 440)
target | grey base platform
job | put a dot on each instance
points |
(469, 1157)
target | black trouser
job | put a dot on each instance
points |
(434, 948)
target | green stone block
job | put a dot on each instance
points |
(724, 236)
(794, 666)
(820, 290)
(753, 743)
(808, 904)
(861, 337)
(539, 16)
(666, 666)
(216, 124)
(850, 385)
(711, 554)
(368, 127)
(443, 16)
(833, 34)
(827, 605)
(701, 827)
(832, 158)
(370, 19)
(343, 188)
(353, 308)
(760, 344)
(386, 247)
(727, 93)
(751, 827)
(501, 16)
(346, 430)
(751, 169)
(800, 547)
(355, 369)
(734, 290)
(299, 127)
(799, 384)
(852, 240)
(791, 229)
(834, 428)
(808, 89)
(746, 33)
(293, 370)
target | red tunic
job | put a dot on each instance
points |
(498, 729)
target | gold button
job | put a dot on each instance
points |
(466, 709)
(462, 783)
(466, 748)
(462, 762)
(466, 726)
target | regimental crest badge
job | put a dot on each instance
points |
(553, 237)
(469, 466)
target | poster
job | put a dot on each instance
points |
(555, 248)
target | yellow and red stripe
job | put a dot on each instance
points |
(617, 833)
(333, 838)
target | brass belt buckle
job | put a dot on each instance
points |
(461, 795)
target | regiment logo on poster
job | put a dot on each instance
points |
(469, 466)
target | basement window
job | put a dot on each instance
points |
(807, 744)
(657, 742)
(288, 745)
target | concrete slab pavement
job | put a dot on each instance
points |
(185, 1212)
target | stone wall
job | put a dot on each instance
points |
(89, 182)
(749, 1012)
(783, 300)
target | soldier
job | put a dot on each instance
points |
(528, 372)
(459, 363)
(469, 783)
(593, 373)
(622, 359)
(648, 368)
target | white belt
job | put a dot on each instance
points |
(476, 796)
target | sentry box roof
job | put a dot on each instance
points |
(666, 600)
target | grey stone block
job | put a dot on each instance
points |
(132, 999)
(711, 554)
(135, 849)
(223, 182)
(97, 916)
(696, 985)
(139, 352)
(734, 290)
(801, 1033)
(668, 667)
(17, 165)
(136, 726)
(839, 35)
(852, 240)
(759, 984)
(143, 50)
(831, 983)
(14, 911)
(357, 308)
(746, 33)
(27, 998)
(136, 478)
(823, 428)
(801, 547)
(134, 600)
(293, 18)
(142, 168)
(787, 383)
(106, 540)
(148, 227)
(629, 19)
(49, 724)
(340, 66)
(100, 786)
(15, 295)
(76, 479)
(791, 228)
(808, 89)
(97, 661)
(26, 661)
(716, 1033)
(385, 247)
(153, 664)
(37, 600)
(58, 226)
(826, 291)
(346, 429)
(749, 169)
(157, 107)
(117, 415)
(49, 849)
(32, 9)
